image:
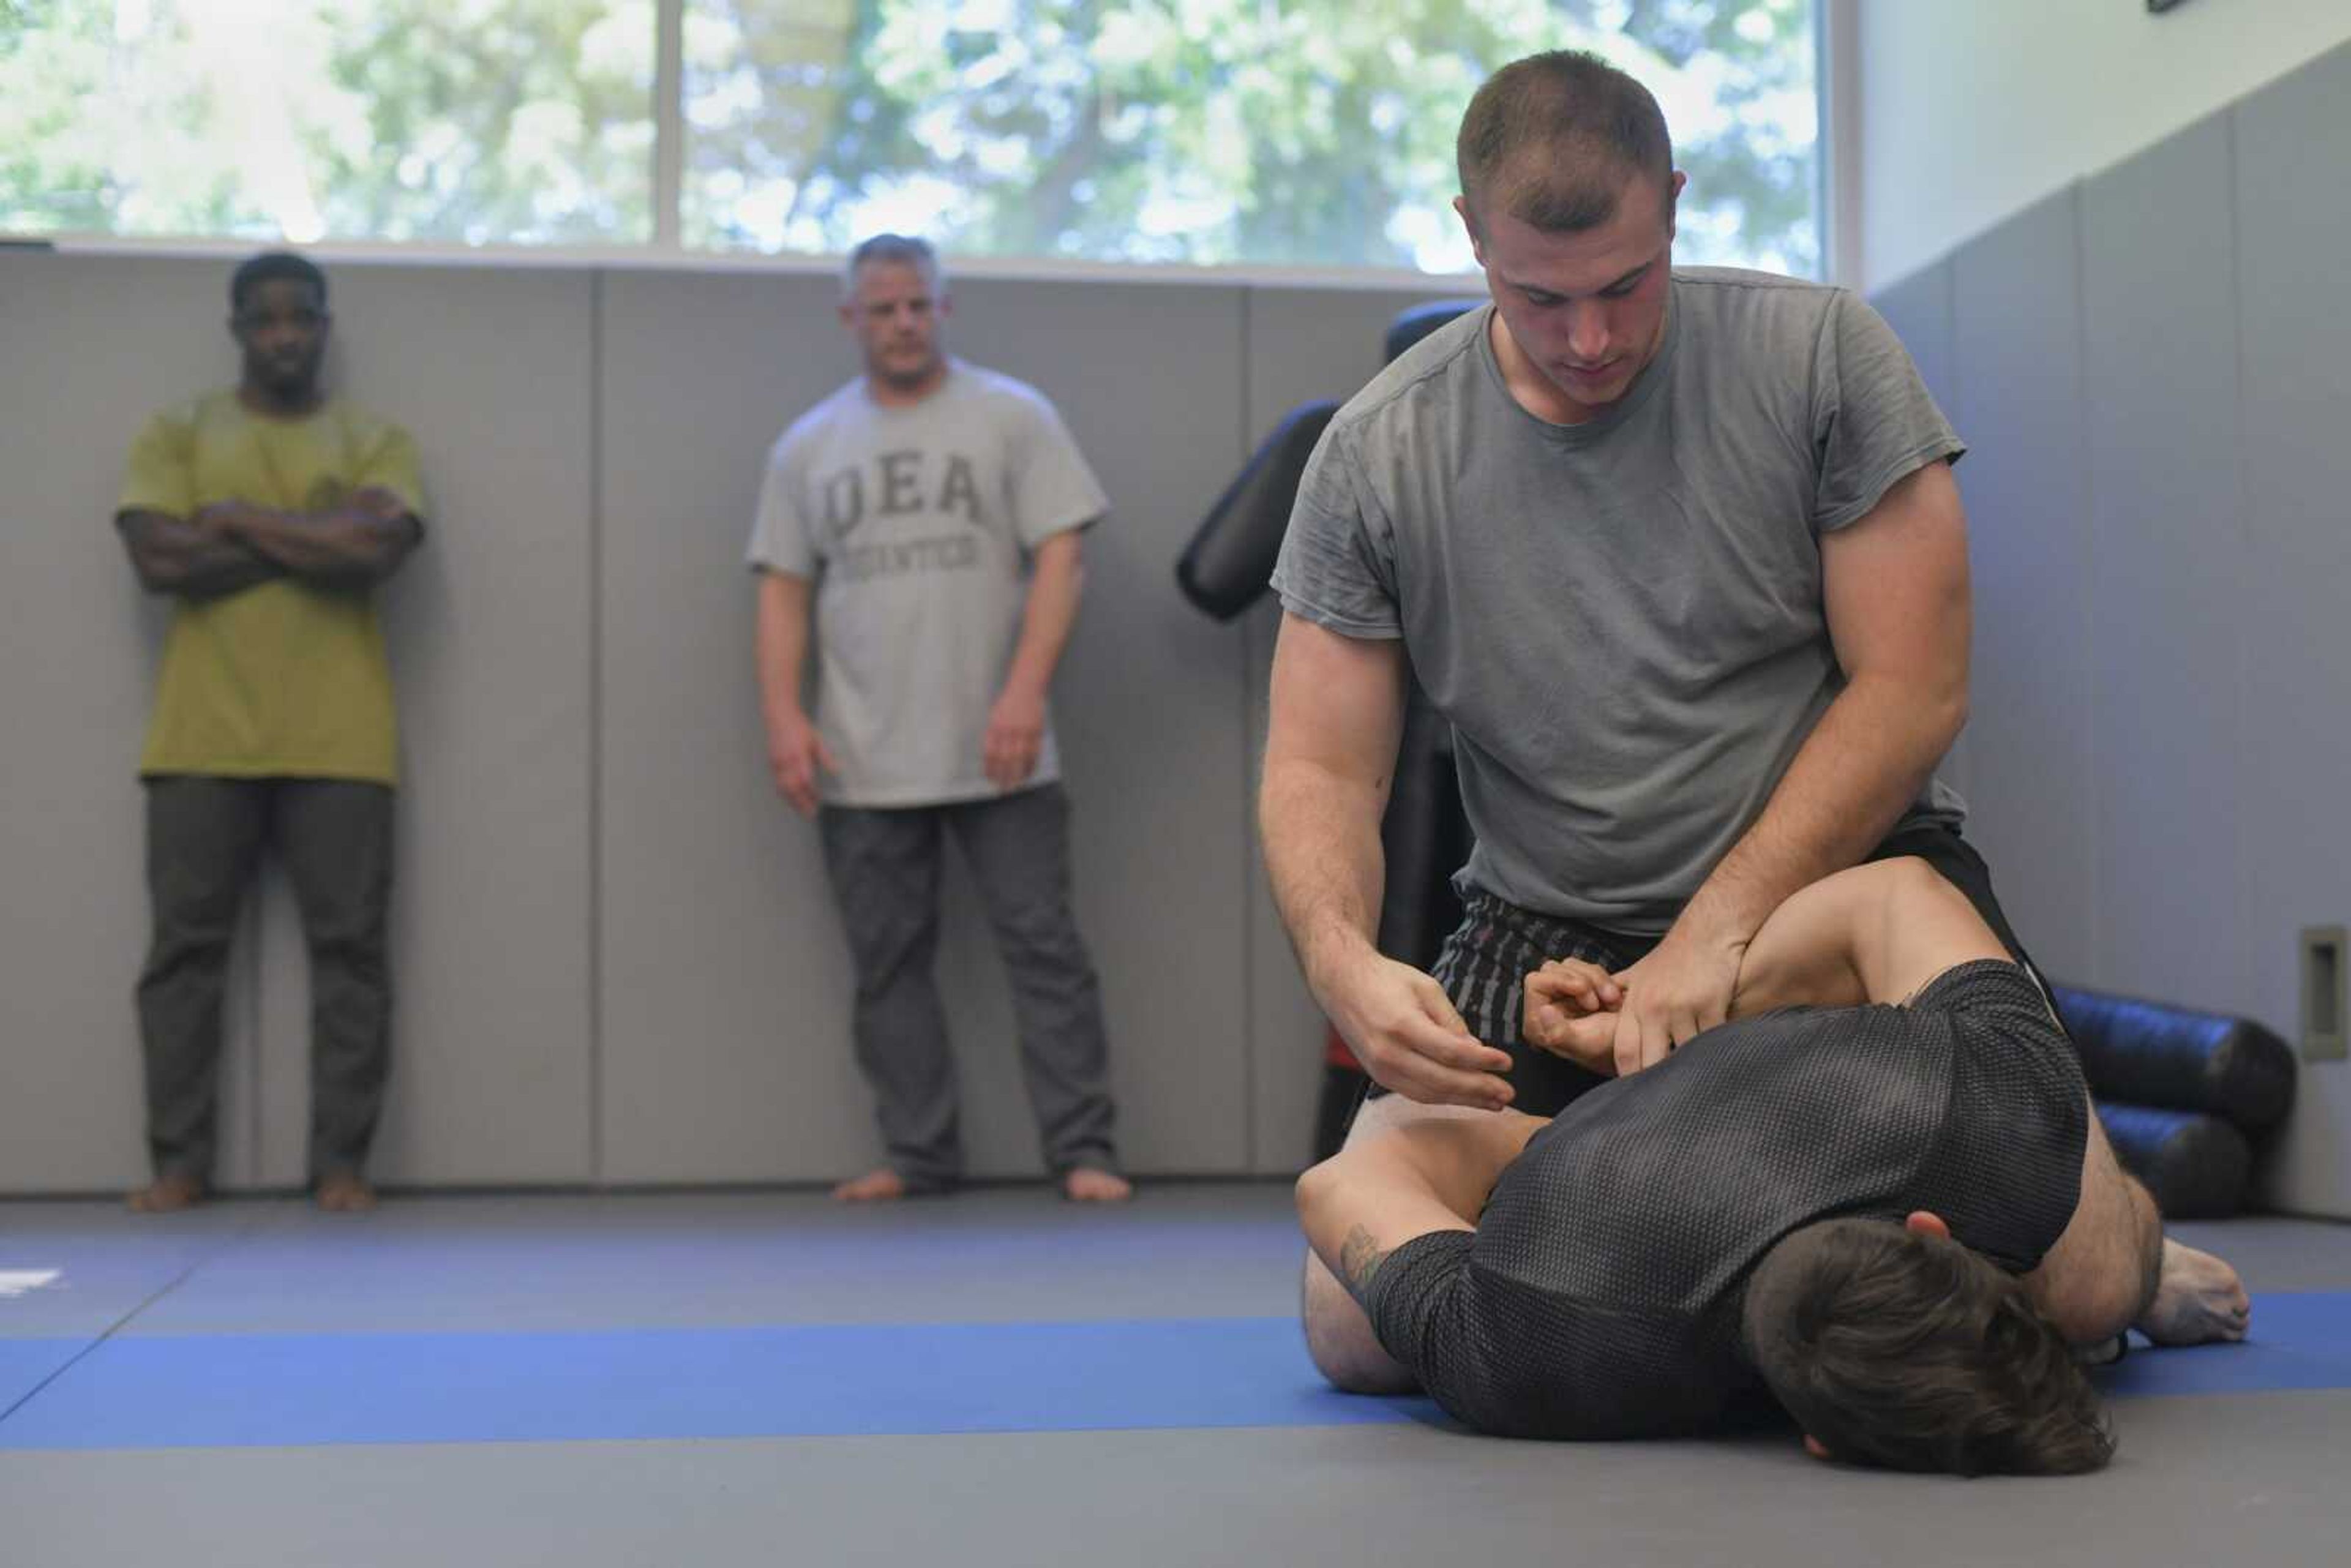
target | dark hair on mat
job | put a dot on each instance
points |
(907, 250)
(269, 267)
(1554, 137)
(1910, 1352)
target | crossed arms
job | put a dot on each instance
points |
(230, 546)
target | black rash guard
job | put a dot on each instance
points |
(1600, 1295)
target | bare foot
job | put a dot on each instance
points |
(884, 1186)
(344, 1192)
(1083, 1183)
(2199, 1300)
(167, 1195)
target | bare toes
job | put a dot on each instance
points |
(1086, 1185)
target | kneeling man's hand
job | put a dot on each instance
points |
(1407, 1035)
(1570, 1011)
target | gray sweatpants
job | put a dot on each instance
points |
(884, 869)
(205, 840)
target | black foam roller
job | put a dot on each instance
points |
(1418, 321)
(1227, 565)
(2145, 1053)
(2195, 1165)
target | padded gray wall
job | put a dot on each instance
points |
(2019, 404)
(2159, 360)
(489, 635)
(1918, 309)
(91, 345)
(2155, 369)
(720, 992)
(1153, 752)
(2293, 234)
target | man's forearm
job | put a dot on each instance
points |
(172, 556)
(1865, 762)
(1323, 856)
(351, 546)
(2102, 1273)
(1050, 613)
(782, 649)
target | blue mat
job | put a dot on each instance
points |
(241, 1391)
(232, 1391)
(24, 1362)
(2299, 1342)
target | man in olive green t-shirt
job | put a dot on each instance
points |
(268, 513)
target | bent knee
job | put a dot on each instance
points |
(1339, 1340)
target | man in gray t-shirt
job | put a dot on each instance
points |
(1678, 555)
(925, 519)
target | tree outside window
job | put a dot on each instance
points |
(1265, 133)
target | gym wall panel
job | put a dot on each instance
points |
(2016, 352)
(2167, 540)
(1152, 749)
(2294, 232)
(724, 977)
(1918, 309)
(489, 631)
(1303, 344)
(93, 346)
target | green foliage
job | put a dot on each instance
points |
(491, 120)
(1316, 132)
(474, 120)
(1311, 132)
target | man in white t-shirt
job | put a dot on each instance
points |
(927, 518)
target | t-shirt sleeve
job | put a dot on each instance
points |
(160, 476)
(1412, 1305)
(1874, 421)
(780, 535)
(1330, 569)
(1054, 490)
(2006, 1173)
(388, 462)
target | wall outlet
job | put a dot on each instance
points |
(2323, 976)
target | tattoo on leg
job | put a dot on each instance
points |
(1359, 1259)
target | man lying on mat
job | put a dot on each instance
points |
(1878, 1193)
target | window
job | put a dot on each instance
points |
(1312, 132)
(465, 121)
(1267, 133)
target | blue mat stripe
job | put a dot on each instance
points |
(24, 1362)
(2299, 1341)
(233, 1391)
(226, 1391)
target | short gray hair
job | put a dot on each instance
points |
(905, 250)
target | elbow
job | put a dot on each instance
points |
(393, 552)
(2095, 1316)
(1950, 716)
(1313, 1191)
(157, 575)
(153, 565)
(1318, 1194)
